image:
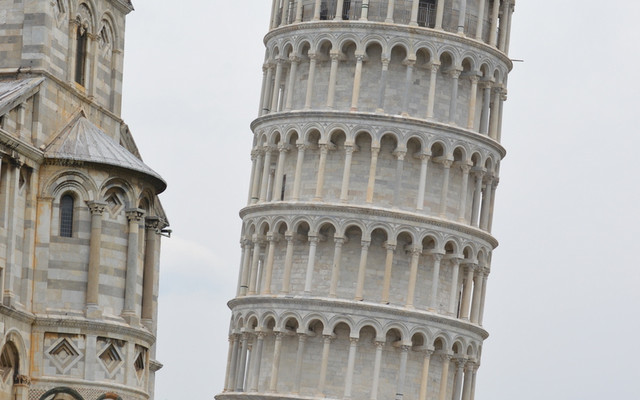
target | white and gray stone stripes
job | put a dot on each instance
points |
(345, 350)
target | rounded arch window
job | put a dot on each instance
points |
(66, 215)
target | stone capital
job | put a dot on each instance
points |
(96, 207)
(135, 214)
(152, 223)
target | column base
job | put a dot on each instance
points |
(131, 318)
(147, 323)
(93, 311)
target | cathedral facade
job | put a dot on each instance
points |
(366, 239)
(80, 220)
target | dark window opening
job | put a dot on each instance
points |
(66, 216)
(427, 13)
(81, 55)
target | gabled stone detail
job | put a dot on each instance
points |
(64, 355)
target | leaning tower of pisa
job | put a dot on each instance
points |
(366, 240)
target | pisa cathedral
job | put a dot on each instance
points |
(80, 220)
(366, 239)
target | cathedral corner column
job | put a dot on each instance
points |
(93, 275)
(129, 311)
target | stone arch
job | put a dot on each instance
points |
(352, 223)
(293, 132)
(268, 321)
(368, 323)
(441, 343)
(289, 321)
(312, 131)
(81, 182)
(337, 320)
(374, 39)
(121, 185)
(321, 41)
(310, 319)
(52, 394)
(85, 13)
(401, 330)
(110, 396)
(300, 44)
(452, 247)
(420, 139)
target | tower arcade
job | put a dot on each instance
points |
(366, 239)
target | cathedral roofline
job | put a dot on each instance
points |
(82, 141)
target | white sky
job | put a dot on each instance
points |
(563, 298)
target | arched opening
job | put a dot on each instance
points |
(64, 393)
(81, 53)
(66, 215)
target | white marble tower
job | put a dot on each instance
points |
(366, 240)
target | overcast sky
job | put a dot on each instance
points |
(563, 300)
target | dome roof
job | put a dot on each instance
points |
(83, 141)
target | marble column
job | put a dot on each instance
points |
(431, 101)
(453, 104)
(266, 98)
(255, 373)
(311, 80)
(294, 62)
(477, 296)
(240, 375)
(466, 293)
(486, 101)
(402, 372)
(383, 85)
(272, 239)
(275, 365)
(463, 195)
(410, 63)
(390, 9)
(93, 276)
(333, 77)
(446, 164)
(477, 196)
(471, 116)
(462, 16)
(397, 194)
(372, 173)
(324, 150)
(298, 174)
(231, 369)
(439, 18)
(457, 382)
(480, 26)
(316, 10)
(375, 382)
(453, 297)
(255, 186)
(129, 313)
(288, 263)
(424, 380)
(357, 78)
(344, 191)
(152, 237)
(413, 275)
(493, 36)
(468, 380)
(351, 361)
(365, 10)
(388, 265)
(444, 377)
(414, 13)
(283, 149)
(245, 268)
(324, 364)
(302, 338)
(313, 244)
(486, 204)
(362, 269)
(335, 269)
(422, 183)
(265, 174)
